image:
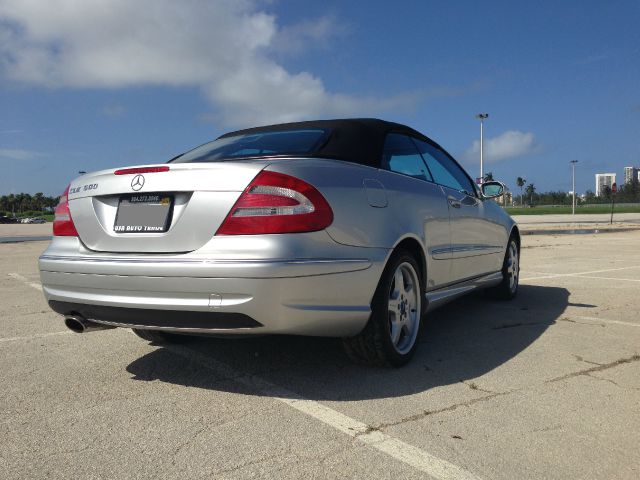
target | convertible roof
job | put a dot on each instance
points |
(358, 140)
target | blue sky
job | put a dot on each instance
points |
(87, 85)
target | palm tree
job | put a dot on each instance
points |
(37, 201)
(521, 181)
(531, 189)
(488, 177)
(11, 203)
(19, 201)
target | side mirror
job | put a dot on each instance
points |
(492, 189)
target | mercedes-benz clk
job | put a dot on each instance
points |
(344, 228)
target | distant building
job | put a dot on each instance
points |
(604, 180)
(631, 173)
(506, 199)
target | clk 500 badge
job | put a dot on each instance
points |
(84, 188)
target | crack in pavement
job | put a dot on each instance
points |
(581, 359)
(187, 442)
(426, 413)
(252, 463)
(603, 379)
(566, 319)
(599, 368)
(474, 386)
(521, 324)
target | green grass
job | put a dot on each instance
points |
(547, 210)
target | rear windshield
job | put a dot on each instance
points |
(261, 144)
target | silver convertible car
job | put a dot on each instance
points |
(344, 228)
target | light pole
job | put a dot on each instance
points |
(482, 117)
(573, 181)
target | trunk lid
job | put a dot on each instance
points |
(192, 198)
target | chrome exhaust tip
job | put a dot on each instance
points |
(79, 324)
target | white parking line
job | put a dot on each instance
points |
(610, 278)
(417, 458)
(395, 448)
(603, 320)
(577, 274)
(37, 335)
(25, 280)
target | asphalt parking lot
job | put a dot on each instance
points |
(545, 386)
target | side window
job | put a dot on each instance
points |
(444, 170)
(400, 155)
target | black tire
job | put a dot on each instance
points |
(159, 337)
(508, 288)
(375, 345)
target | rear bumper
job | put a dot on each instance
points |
(159, 319)
(320, 297)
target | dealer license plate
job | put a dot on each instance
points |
(144, 213)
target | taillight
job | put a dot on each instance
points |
(63, 223)
(277, 203)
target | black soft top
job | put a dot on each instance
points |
(358, 140)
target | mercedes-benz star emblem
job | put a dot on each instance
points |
(137, 183)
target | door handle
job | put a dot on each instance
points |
(455, 203)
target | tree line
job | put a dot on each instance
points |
(627, 193)
(25, 202)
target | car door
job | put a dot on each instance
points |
(477, 240)
(419, 204)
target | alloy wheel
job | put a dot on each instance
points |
(404, 308)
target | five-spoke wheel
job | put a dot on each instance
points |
(390, 337)
(508, 288)
(403, 308)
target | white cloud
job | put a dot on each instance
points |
(18, 154)
(509, 144)
(316, 33)
(224, 47)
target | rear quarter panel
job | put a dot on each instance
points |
(414, 209)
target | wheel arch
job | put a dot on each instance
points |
(515, 232)
(415, 248)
